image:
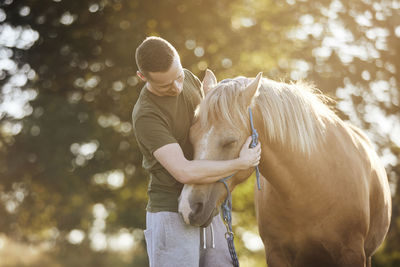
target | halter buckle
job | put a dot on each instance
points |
(229, 234)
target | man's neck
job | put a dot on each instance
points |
(148, 87)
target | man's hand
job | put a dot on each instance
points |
(250, 157)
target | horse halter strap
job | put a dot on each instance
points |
(226, 207)
(254, 142)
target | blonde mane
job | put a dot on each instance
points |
(293, 115)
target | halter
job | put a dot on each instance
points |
(226, 207)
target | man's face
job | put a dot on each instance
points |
(169, 83)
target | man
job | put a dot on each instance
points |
(162, 117)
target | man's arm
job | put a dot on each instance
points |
(204, 171)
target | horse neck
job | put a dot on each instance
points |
(275, 156)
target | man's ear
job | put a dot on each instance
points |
(252, 89)
(209, 81)
(141, 76)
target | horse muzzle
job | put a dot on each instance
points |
(198, 213)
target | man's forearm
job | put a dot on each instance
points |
(209, 171)
(186, 171)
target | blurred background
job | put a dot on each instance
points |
(72, 190)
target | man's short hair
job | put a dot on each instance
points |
(154, 54)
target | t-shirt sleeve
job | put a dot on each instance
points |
(152, 133)
(195, 81)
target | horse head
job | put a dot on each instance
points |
(220, 129)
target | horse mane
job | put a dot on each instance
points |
(293, 115)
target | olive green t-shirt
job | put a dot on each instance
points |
(162, 120)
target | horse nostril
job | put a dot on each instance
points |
(197, 207)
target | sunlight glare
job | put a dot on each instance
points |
(252, 241)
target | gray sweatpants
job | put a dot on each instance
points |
(172, 243)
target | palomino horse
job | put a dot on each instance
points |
(325, 198)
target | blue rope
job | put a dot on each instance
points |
(254, 142)
(226, 207)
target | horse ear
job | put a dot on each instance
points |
(252, 89)
(209, 81)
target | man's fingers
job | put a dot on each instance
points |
(257, 148)
(248, 140)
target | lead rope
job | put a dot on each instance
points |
(226, 207)
(254, 142)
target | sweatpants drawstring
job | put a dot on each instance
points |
(204, 234)
(212, 236)
(204, 238)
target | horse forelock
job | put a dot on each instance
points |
(223, 104)
(293, 115)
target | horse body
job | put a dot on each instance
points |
(325, 199)
(325, 210)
